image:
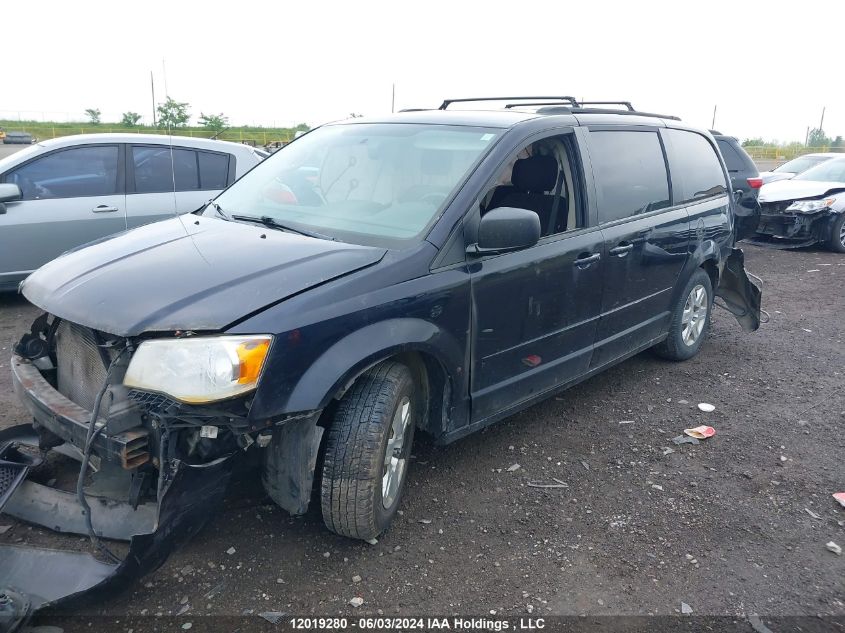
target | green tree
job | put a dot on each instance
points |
(817, 138)
(93, 115)
(173, 113)
(838, 145)
(757, 141)
(130, 119)
(214, 122)
(302, 127)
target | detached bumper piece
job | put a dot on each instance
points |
(740, 295)
(34, 579)
(781, 229)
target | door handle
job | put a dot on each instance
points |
(586, 259)
(622, 250)
(104, 208)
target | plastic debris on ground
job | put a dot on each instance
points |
(840, 497)
(833, 547)
(685, 608)
(701, 432)
(683, 439)
(513, 467)
(273, 617)
(356, 602)
(706, 407)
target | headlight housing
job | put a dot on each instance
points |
(199, 369)
(811, 206)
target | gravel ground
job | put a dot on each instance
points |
(734, 526)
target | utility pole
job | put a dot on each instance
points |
(713, 124)
(393, 99)
(153, 90)
(821, 123)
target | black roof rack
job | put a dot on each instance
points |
(447, 102)
(627, 104)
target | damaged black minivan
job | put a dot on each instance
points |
(430, 271)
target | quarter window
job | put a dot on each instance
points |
(70, 173)
(214, 170)
(630, 173)
(698, 166)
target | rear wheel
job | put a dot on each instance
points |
(836, 242)
(690, 320)
(367, 452)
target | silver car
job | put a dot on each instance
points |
(77, 189)
(797, 166)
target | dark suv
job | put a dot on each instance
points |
(746, 182)
(432, 270)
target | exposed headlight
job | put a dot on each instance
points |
(811, 206)
(201, 369)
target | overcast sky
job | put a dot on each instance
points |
(769, 66)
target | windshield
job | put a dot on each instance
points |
(829, 171)
(377, 184)
(801, 164)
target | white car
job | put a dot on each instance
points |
(807, 209)
(796, 166)
(65, 192)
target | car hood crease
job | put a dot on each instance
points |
(199, 275)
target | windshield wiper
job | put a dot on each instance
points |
(219, 210)
(269, 222)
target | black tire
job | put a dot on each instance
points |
(836, 241)
(676, 346)
(354, 462)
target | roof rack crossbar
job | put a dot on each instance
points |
(627, 104)
(508, 106)
(447, 102)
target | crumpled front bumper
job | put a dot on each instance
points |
(33, 579)
(792, 230)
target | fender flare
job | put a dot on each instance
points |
(338, 367)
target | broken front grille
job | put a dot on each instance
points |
(80, 367)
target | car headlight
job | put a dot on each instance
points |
(811, 206)
(200, 369)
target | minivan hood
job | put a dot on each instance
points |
(797, 190)
(187, 273)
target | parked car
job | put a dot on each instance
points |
(796, 166)
(440, 271)
(808, 209)
(18, 138)
(745, 180)
(81, 188)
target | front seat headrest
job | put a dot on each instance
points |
(535, 173)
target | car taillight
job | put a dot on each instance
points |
(755, 183)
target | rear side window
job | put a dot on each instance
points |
(696, 162)
(71, 173)
(156, 172)
(630, 173)
(732, 157)
(214, 170)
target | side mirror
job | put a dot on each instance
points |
(506, 229)
(8, 193)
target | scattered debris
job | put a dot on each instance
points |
(273, 617)
(356, 578)
(683, 401)
(187, 626)
(657, 487)
(326, 554)
(231, 551)
(833, 547)
(839, 496)
(558, 484)
(806, 330)
(683, 439)
(757, 624)
(356, 602)
(585, 464)
(513, 467)
(701, 432)
(425, 521)
(529, 608)
(372, 541)
(812, 514)
(783, 458)
(706, 407)
(685, 608)
(626, 421)
(667, 450)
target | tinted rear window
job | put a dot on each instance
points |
(214, 170)
(697, 165)
(630, 173)
(733, 159)
(156, 172)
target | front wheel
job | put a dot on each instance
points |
(367, 452)
(836, 242)
(690, 320)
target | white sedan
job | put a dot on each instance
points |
(65, 192)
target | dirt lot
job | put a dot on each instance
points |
(725, 527)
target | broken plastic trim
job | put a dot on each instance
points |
(740, 296)
(35, 579)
